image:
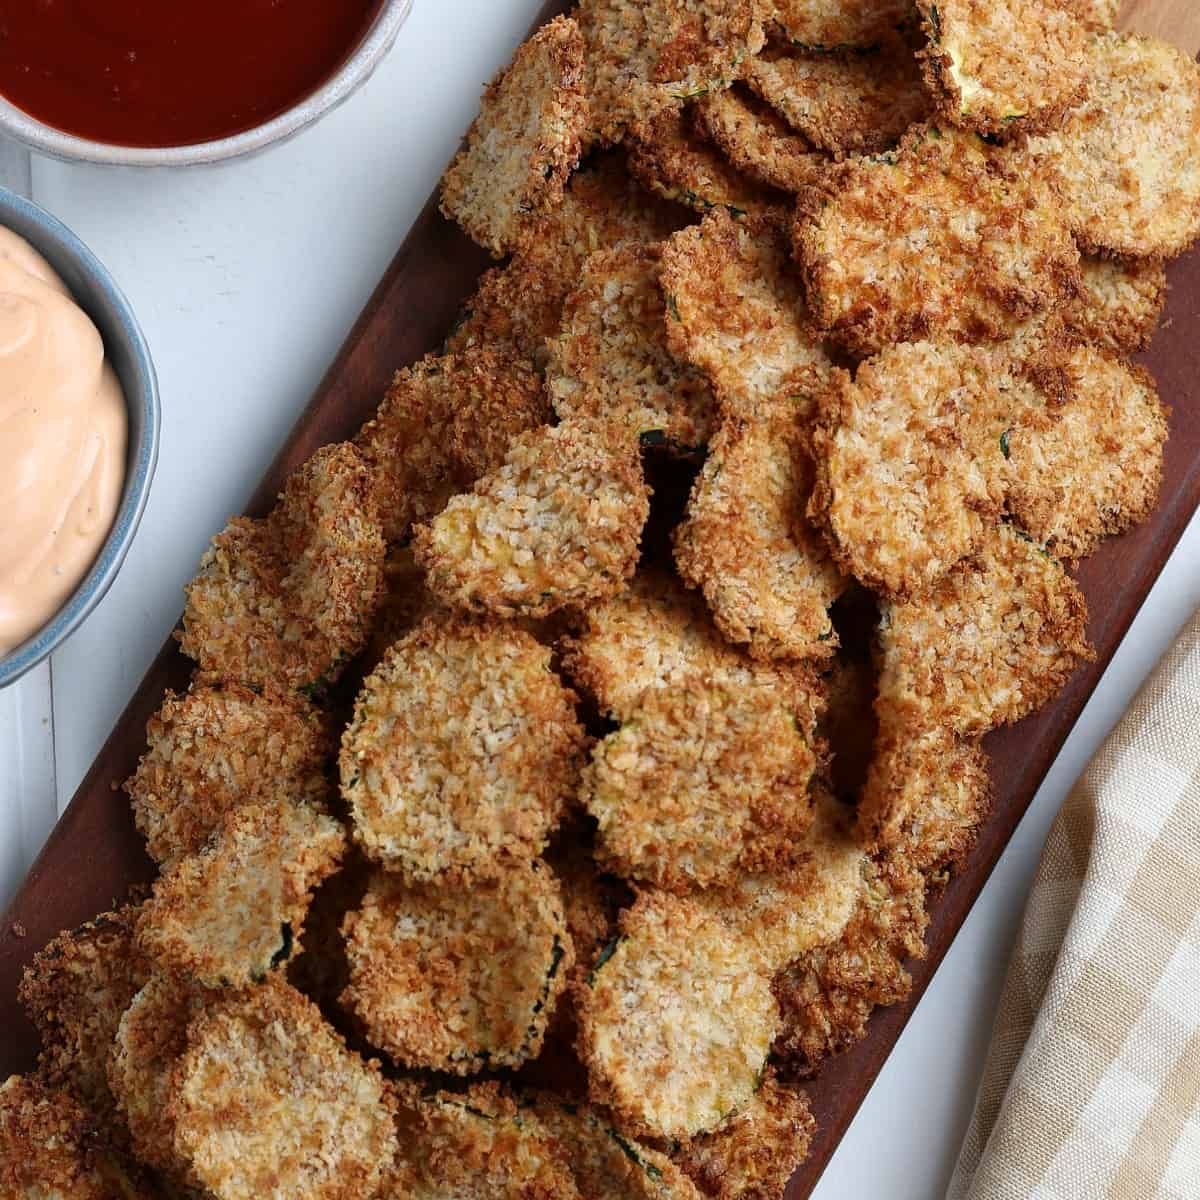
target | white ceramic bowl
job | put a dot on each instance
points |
(354, 72)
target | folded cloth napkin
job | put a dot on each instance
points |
(1092, 1083)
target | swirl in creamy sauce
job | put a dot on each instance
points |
(63, 434)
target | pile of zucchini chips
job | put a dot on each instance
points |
(572, 759)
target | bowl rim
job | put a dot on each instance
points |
(351, 75)
(141, 453)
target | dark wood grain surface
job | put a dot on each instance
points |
(95, 854)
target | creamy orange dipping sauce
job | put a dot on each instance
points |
(63, 432)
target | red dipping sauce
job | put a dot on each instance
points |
(154, 73)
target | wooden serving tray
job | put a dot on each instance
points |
(95, 854)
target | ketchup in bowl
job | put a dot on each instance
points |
(157, 73)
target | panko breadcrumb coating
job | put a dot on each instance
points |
(150, 1041)
(909, 466)
(48, 1151)
(229, 913)
(217, 747)
(700, 783)
(648, 56)
(557, 525)
(446, 421)
(480, 1145)
(1004, 67)
(270, 1103)
(758, 141)
(463, 749)
(610, 363)
(75, 992)
(845, 103)
(785, 912)
(837, 24)
(927, 794)
(737, 312)
(1128, 158)
(607, 1164)
(988, 644)
(289, 599)
(826, 996)
(524, 143)
(676, 164)
(1088, 464)
(1120, 303)
(753, 1155)
(932, 240)
(517, 307)
(1099, 16)
(676, 1020)
(458, 980)
(747, 543)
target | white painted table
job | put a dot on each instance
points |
(247, 278)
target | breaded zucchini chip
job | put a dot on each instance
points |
(758, 141)
(701, 783)
(458, 980)
(837, 24)
(610, 363)
(150, 1041)
(270, 1103)
(932, 239)
(217, 747)
(676, 1021)
(826, 996)
(738, 313)
(649, 56)
(988, 644)
(846, 103)
(48, 1148)
(463, 749)
(1004, 67)
(606, 1163)
(446, 421)
(226, 915)
(785, 912)
(753, 1155)
(1088, 464)
(524, 143)
(559, 524)
(1120, 303)
(1128, 158)
(480, 1145)
(910, 469)
(657, 635)
(75, 992)
(747, 544)
(927, 794)
(517, 307)
(668, 157)
(289, 599)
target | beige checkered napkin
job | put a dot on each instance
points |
(1092, 1085)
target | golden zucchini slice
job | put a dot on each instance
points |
(463, 750)
(459, 980)
(989, 643)
(524, 143)
(676, 1020)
